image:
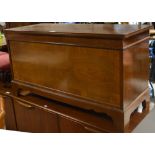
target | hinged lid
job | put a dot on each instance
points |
(83, 30)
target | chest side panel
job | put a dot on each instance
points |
(136, 71)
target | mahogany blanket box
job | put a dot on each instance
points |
(99, 67)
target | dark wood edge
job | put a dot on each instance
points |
(65, 97)
(121, 47)
(69, 44)
(137, 101)
(52, 111)
(95, 129)
(121, 79)
(139, 31)
(82, 42)
(135, 43)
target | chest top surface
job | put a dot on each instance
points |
(82, 30)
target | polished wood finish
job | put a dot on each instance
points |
(69, 118)
(93, 30)
(32, 119)
(73, 73)
(103, 68)
(69, 126)
(10, 119)
(135, 72)
(2, 113)
(78, 117)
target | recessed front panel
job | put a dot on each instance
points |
(85, 72)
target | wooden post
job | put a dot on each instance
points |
(2, 113)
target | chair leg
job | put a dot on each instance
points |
(5, 76)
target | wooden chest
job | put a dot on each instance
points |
(93, 66)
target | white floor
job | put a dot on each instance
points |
(148, 123)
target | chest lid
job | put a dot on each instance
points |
(82, 30)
